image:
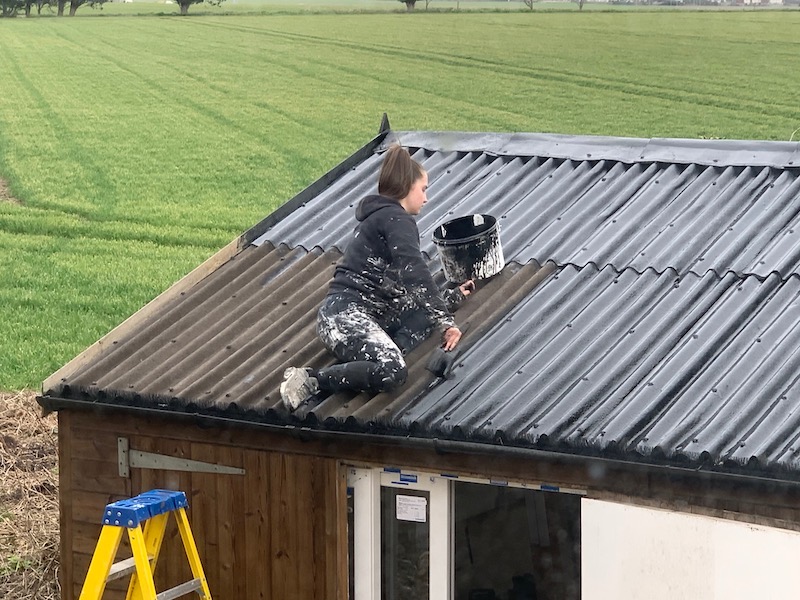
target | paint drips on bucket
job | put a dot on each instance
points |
(469, 248)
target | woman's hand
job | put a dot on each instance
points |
(467, 287)
(451, 337)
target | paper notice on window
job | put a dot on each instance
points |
(411, 508)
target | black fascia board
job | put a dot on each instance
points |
(50, 403)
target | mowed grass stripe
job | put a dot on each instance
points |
(715, 97)
(512, 88)
(182, 126)
(232, 111)
(46, 112)
(359, 74)
(616, 41)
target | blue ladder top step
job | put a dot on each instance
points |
(131, 512)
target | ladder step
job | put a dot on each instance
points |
(180, 590)
(123, 568)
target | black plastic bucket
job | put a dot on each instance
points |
(469, 248)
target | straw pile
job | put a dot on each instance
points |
(28, 500)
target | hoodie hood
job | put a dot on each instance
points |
(372, 204)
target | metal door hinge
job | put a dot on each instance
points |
(136, 459)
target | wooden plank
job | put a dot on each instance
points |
(330, 494)
(203, 517)
(238, 521)
(100, 469)
(281, 527)
(87, 507)
(305, 518)
(95, 447)
(103, 484)
(65, 501)
(257, 525)
(319, 497)
(339, 585)
(227, 507)
(175, 564)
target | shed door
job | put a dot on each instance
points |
(402, 535)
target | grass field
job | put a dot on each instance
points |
(136, 146)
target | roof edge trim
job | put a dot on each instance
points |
(304, 432)
(718, 153)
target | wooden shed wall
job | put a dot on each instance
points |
(279, 531)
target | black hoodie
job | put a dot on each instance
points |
(383, 267)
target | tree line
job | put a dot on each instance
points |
(13, 8)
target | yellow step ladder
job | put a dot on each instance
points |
(154, 507)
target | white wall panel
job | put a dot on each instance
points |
(637, 553)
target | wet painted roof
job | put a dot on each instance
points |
(649, 308)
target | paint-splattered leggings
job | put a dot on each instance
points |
(370, 358)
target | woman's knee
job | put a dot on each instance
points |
(389, 376)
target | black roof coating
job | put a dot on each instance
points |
(650, 309)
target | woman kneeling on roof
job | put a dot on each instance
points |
(382, 301)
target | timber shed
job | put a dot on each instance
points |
(627, 394)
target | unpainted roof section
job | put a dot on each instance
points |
(649, 309)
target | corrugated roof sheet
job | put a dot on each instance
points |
(662, 328)
(685, 216)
